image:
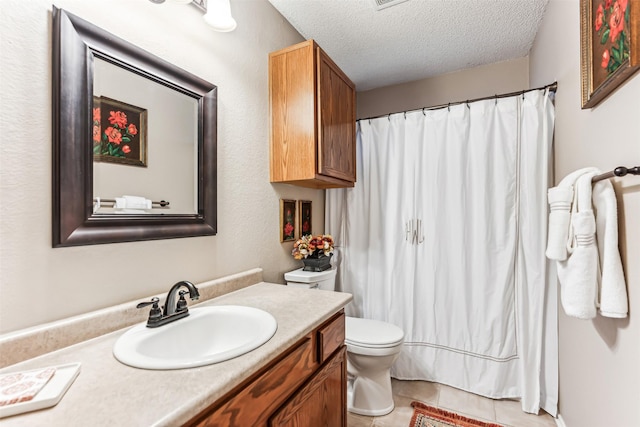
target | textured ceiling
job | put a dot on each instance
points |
(415, 39)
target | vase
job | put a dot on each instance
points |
(317, 264)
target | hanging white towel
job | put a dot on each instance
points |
(583, 239)
(578, 274)
(613, 290)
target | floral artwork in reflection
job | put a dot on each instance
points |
(611, 26)
(118, 132)
(313, 246)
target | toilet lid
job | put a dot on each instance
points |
(302, 276)
(372, 333)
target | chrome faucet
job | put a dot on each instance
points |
(172, 310)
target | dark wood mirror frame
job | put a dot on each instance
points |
(75, 44)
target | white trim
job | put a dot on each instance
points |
(560, 421)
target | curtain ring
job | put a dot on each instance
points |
(389, 117)
(405, 115)
(468, 106)
(423, 113)
(523, 95)
(369, 121)
(449, 107)
(496, 99)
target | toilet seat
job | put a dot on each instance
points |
(372, 337)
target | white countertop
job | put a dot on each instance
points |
(108, 393)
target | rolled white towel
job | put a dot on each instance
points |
(121, 203)
(559, 199)
(578, 274)
(132, 204)
(137, 202)
(613, 289)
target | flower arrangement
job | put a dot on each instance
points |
(313, 246)
(610, 24)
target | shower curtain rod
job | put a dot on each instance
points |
(553, 87)
(619, 171)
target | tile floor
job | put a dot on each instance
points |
(503, 412)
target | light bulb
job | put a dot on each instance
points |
(219, 16)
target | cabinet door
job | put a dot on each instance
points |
(252, 405)
(321, 402)
(337, 121)
(292, 88)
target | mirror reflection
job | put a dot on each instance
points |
(133, 129)
(144, 145)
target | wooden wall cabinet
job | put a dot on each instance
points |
(304, 387)
(313, 118)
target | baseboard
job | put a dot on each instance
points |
(560, 421)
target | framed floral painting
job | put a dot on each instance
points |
(287, 220)
(610, 46)
(304, 222)
(119, 132)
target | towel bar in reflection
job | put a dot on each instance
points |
(160, 204)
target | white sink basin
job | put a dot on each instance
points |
(208, 335)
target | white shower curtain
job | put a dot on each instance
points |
(443, 235)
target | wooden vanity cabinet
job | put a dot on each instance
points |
(305, 386)
(313, 118)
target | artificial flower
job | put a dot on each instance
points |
(313, 246)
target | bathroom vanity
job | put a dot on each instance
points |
(305, 386)
(297, 378)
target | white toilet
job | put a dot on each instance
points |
(372, 347)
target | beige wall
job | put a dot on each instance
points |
(599, 359)
(488, 80)
(38, 283)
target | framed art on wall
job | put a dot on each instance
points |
(304, 222)
(287, 220)
(609, 46)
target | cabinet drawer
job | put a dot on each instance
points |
(330, 337)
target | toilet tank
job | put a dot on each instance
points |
(325, 280)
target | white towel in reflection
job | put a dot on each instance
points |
(132, 202)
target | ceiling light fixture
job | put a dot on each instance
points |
(217, 13)
(219, 16)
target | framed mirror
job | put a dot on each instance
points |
(134, 141)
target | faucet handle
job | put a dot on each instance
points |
(153, 301)
(155, 315)
(182, 303)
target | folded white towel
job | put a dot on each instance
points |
(578, 275)
(560, 200)
(613, 290)
(559, 218)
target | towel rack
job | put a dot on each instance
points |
(161, 203)
(619, 171)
